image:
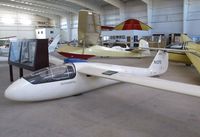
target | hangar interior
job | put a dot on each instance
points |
(121, 109)
(21, 17)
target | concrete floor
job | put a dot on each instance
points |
(121, 110)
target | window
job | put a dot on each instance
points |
(105, 38)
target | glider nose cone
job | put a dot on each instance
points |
(17, 90)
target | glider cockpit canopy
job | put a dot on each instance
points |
(51, 74)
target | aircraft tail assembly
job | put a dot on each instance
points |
(144, 44)
(54, 43)
(160, 63)
(88, 28)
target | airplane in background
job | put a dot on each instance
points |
(88, 36)
(179, 57)
(80, 76)
(101, 51)
(189, 53)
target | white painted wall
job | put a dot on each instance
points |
(167, 16)
(17, 28)
(193, 18)
(69, 26)
(65, 24)
(74, 27)
(134, 9)
(64, 29)
(110, 16)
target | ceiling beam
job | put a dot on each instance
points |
(51, 5)
(116, 3)
(31, 8)
(6, 8)
(86, 4)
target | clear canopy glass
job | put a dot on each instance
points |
(51, 74)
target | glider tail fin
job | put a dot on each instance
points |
(160, 63)
(144, 44)
(88, 27)
(54, 43)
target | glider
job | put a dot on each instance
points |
(88, 35)
(81, 76)
(101, 51)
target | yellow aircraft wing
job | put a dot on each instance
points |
(194, 51)
(195, 55)
(179, 57)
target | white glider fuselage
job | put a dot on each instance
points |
(42, 86)
(27, 91)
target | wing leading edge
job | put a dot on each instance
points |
(171, 86)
